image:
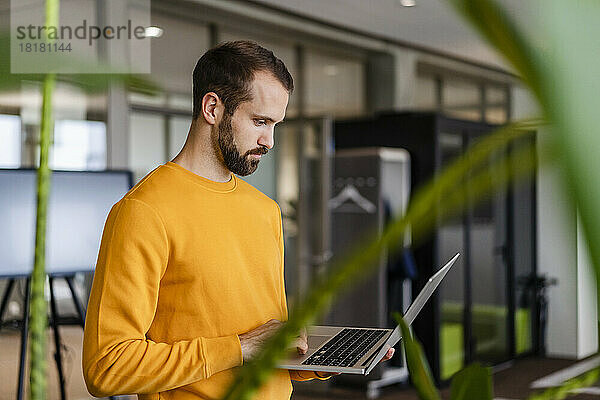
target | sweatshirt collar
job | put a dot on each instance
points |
(222, 187)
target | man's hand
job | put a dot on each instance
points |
(252, 341)
(301, 342)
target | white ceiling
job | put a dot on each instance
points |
(432, 24)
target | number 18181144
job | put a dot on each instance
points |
(44, 47)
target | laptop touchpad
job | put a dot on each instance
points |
(316, 341)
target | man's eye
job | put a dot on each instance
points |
(260, 122)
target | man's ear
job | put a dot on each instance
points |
(212, 108)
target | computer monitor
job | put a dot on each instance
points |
(79, 203)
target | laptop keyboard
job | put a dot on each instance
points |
(346, 348)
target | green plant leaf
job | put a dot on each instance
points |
(563, 77)
(472, 383)
(417, 363)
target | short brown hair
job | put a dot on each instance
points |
(228, 70)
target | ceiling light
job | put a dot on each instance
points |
(408, 3)
(153, 31)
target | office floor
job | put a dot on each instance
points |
(510, 383)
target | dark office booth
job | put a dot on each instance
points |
(482, 311)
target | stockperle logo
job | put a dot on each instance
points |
(109, 36)
(82, 31)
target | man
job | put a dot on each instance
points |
(189, 279)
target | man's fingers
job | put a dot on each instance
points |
(301, 345)
(389, 354)
(301, 342)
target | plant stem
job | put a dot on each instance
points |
(38, 316)
(38, 312)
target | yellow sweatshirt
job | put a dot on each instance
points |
(186, 264)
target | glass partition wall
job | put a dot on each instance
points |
(485, 313)
(487, 222)
(452, 237)
(473, 300)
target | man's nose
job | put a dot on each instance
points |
(267, 140)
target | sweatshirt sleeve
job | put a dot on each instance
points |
(294, 374)
(118, 358)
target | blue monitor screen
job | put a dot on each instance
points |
(78, 205)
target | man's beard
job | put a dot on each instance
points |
(241, 165)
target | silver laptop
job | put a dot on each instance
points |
(357, 350)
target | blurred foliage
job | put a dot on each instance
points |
(562, 75)
(563, 80)
(569, 388)
(472, 383)
(417, 363)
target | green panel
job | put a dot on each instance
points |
(489, 327)
(452, 349)
(523, 330)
